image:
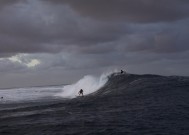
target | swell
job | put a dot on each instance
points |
(127, 103)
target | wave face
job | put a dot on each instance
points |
(125, 104)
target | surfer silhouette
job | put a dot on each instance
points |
(121, 71)
(80, 92)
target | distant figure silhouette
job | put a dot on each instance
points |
(1, 97)
(80, 92)
(122, 72)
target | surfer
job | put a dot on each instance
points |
(80, 92)
(121, 71)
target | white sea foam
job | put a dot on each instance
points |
(88, 83)
(28, 94)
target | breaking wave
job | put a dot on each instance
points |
(88, 83)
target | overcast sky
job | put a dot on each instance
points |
(47, 42)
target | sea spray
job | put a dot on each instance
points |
(88, 83)
(29, 94)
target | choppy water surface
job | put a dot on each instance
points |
(126, 104)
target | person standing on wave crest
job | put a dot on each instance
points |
(122, 72)
(80, 92)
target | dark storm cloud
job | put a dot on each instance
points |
(76, 37)
(40, 26)
(131, 10)
(36, 27)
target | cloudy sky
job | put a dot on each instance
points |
(47, 42)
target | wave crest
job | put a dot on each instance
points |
(88, 83)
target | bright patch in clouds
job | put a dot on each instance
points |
(33, 63)
(15, 59)
(22, 59)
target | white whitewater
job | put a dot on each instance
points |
(88, 83)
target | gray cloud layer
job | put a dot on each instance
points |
(83, 36)
(37, 26)
(131, 10)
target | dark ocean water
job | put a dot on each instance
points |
(127, 105)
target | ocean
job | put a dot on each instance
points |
(124, 104)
